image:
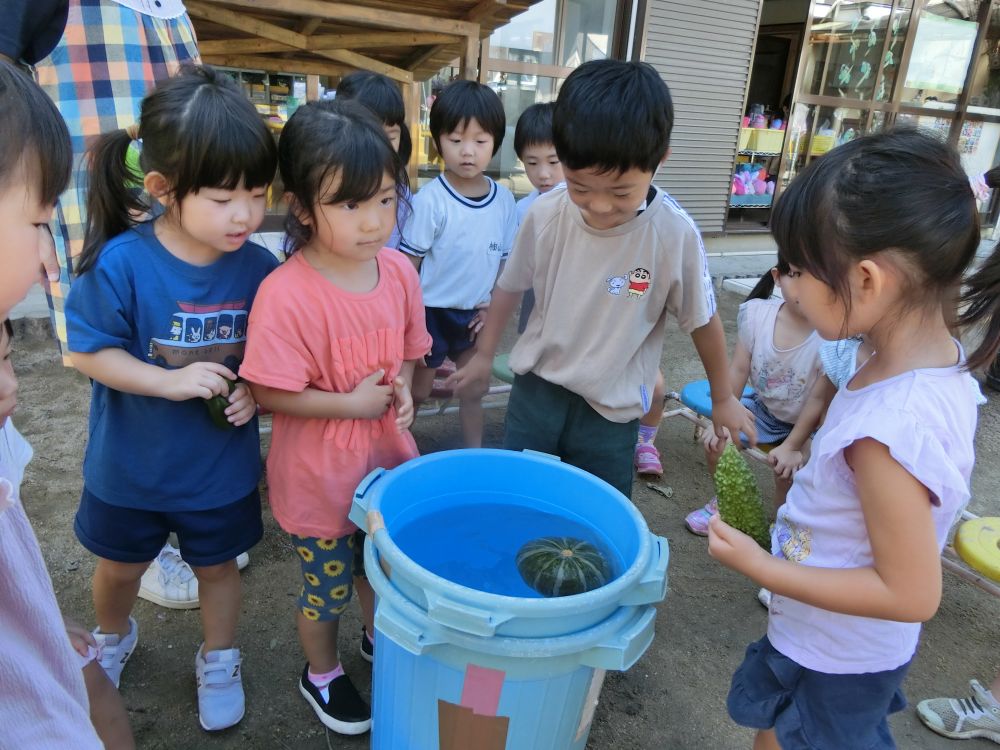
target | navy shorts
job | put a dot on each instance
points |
(133, 535)
(450, 332)
(812, 710)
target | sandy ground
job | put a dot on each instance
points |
(673, 698)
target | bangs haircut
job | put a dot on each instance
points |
(34, 140)
(461, 101)
(613, 116)
(200, 131)
(903, 190)
(376, 92)
(534, 127)
(331, 139)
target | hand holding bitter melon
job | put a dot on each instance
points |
(217, 406)
(740, 502)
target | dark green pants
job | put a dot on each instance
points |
(545, 417)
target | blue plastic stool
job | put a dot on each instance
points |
(697, 396)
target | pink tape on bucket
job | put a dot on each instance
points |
(481, 689)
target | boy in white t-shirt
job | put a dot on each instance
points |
(533, 146)
(461, 230)
(608, 258)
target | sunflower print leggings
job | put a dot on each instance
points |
(328, 569)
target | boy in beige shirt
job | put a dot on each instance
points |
(608, 256)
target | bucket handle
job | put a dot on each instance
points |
(359, 508)
(402, 631)
(652, 585)
(624, 648)
(463, 617)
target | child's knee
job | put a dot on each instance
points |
(216, 573)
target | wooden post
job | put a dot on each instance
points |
(411, 99)
(469, 63)
(312, 88)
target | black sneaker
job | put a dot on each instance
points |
(367, 647)
(345, 711)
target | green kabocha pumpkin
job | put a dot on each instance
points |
(217, 406)
(562, 566)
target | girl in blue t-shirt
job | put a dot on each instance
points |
(877, 236)
(157, 319)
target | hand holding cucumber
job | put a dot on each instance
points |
(197, 380)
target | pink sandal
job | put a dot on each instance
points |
(647, 460)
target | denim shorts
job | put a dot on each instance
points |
(329, 567)
(132, 535)
(450, 333)
(812, 710)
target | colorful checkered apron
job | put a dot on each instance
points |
(108, 59)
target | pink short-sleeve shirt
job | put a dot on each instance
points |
(306, 332)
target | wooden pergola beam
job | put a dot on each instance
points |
(250, 25)
(279, 64)
(328, 42)
(348, 13)
(482, 11)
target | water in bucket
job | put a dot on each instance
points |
(475, 544)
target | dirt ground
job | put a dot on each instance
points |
(674, 697)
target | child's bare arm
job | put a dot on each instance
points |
(368, 400)
(474, 378)
(118, 369)
(787, 458)
(727, 412)
(903, 584)
(739, 369)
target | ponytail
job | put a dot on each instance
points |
(981, 302)
(111, 203)
(764, 288)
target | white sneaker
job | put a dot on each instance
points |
(963, 718)
(115, 650)
(764, 597)
(219, 677)
(170, 582)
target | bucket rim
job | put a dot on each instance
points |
(544, 607)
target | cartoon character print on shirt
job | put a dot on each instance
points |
(615, 285)
(202, 333)
(782, 384)
(794, 542)
(638, 283)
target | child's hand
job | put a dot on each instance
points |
(80, 638)
(472, 380)
(713, 443)
(478, 322)
(242, 406)
(734, 549)
(371, 397)
(730, 418)
(196, 380)
(403, 401)
(47, 254)
(785, 461)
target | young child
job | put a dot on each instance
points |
(778, 350)
(335, 335)
(45, 702)
(626, 256)
(462, 228)
(381, 96)
(157, 319)
(856, 547)
(533, 146)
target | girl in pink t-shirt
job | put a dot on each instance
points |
(333, 339)
(878, 235)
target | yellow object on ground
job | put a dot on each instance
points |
(977, 542)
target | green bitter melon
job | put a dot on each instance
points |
(740, 502)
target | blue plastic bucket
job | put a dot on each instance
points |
(458, 668)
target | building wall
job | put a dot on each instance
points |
(704, 53)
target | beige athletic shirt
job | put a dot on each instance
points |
(602, 298)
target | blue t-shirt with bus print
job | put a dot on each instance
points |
(151, 453)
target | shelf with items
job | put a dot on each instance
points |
(750, 201)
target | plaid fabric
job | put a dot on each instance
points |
(107, 60)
